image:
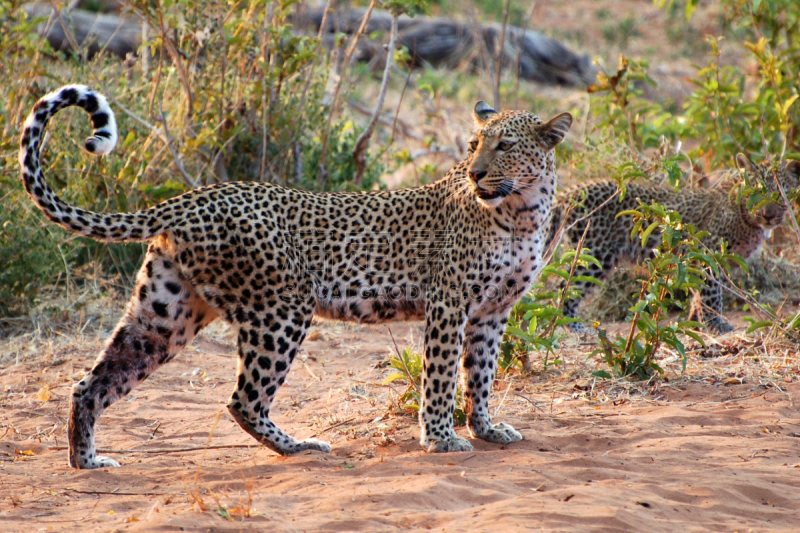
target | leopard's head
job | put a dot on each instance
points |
(511, 152)
(765, 204)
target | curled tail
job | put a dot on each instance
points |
(111, 227)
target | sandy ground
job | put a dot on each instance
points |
(716, 449)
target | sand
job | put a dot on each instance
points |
(715, 449)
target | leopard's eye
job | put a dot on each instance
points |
(505, 146)
(473, 145)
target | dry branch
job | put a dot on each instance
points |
(359, 153)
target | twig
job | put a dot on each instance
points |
(321, 172)
(497, 409)
(399, 103)
(529, 401)
(573, 266)
(788, 205)
(310, 372)
(336, 425)
(116, 492)
(499, 57)
(400, 356)
(629, 341)
(520, 45)
(206, 447)
(359, 152)
(395, 124)
(176, 60)
(480, 39)
(166, 450)
(178, 161)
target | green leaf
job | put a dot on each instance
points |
(638, 306)
(590, 259)
(738, 260)
(590, 279)
(520, 333)
(646, 233)
(695, 336)
(787, 104)
(630, 213)
(689, 324)
(394, 377)
(759, 324)
(602, 374)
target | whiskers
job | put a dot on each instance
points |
(506, 187)
(498, 186)
(460, 186)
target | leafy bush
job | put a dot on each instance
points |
(677, 267)
(728, 112)
(409, 367)
(229, 93)
(533, 320)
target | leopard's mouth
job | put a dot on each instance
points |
(483, 194)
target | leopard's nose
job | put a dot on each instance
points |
(477, 175)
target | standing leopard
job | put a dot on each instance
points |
(720, 211)
(458, 252)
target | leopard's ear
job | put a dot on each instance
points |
(743, 163)
(792, 169)
(553, 131)
(483, 112)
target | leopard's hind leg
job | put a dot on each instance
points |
(163, 315)
(268, 343)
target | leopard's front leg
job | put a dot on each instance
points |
(711, 295)
(444, 334)
(482, 339)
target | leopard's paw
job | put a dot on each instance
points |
(449, 444)
(719, 326)
(92, 462)
(313, 444)
(501, 434)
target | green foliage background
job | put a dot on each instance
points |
(233, 81)
(225, 81)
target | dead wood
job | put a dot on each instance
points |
(449, 43)
(433, 41)
(113, 34)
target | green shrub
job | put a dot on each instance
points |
(231, 93)
(408, 366)
(533, 320)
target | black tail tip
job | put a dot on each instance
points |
(90, 145)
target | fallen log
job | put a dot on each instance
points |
(94, 32)
(445, 42)
(432, 41)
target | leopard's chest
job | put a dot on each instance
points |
(508, 270)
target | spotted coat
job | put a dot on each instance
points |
(720, 211)
(458, 252)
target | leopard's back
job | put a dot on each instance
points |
(598, 203)
(721, 211)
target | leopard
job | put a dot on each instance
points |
(457, 253)
(721, 211)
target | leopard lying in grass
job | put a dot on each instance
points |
(719, 210)
(458, 252)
